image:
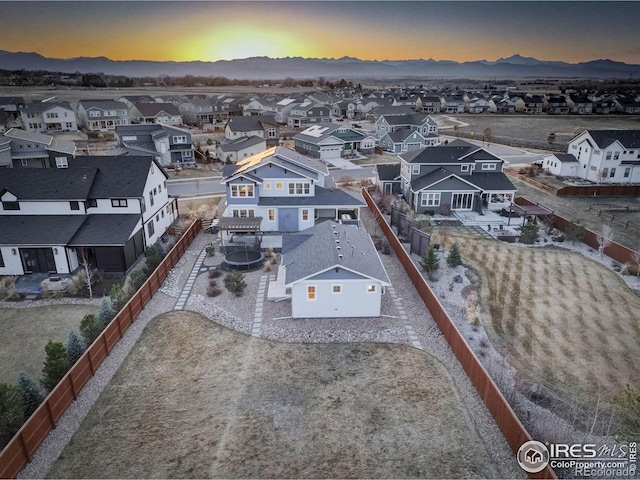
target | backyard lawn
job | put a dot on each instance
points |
(195, 399)
(562, 319)
(26, 331)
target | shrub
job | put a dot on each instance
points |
(267, 267)
(529, 233)
(11, 410)
(430, 263)
(136, 279)
(210, 249)
(90, 328)
(106, 313)
(213, 291)
(215, 272)
(445, 209)
(75, 347)
(235, 283)
(76, 284)
(32, 393)
(118, 296)
(8, 288)
(454, 259)
(154, 255)
(55, 366)
(386, 248)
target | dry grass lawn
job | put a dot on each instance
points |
(26, 331)
(563, 319)
(194, 399)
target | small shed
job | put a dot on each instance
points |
(561, 164)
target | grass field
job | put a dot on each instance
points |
(194, 399)
(564, 320)
(26, 331)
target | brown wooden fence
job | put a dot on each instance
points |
(26, 441)
(618, 252)
(504, 416)
(599, 191)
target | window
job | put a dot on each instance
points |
(74, 205)
(62, 162)
(186, 154)
(299, 188)
(311, 293)
(242, 190)
(613, 173)
(596, 151)
(92, 203)
(608, 157)
(52, 115)
(11, 205)
(430, 200)
(415, 169)
(488, 166)
(119, 202)
(278, 185)
(94, 113)
(150, 228)
(465, 168)
(593, 168)
(180, 139)
(605, 172)
(151, 197)
(271, 133)
(371, 288)
(69, 124)
(24, 162)
(243, 212)
(272, 215)
(616, 155)
(336, 289)
(305, 215)
(267, 185)
(627, 171)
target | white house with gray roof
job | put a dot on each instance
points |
(607, 156)
(333, 141)
(562, 164)
(289, 192)
(330, 270)
(48, 116)
(102, 115)
(241, 148)
(27, 149)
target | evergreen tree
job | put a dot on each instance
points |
(75, 347)
(235, 283)
(454, 258)
(529, 233)
(90, 328)
(118, 297)
(154, 255)
(55, 366)
(11, 411)
(106, 313)
(430, 262)
(32, 393)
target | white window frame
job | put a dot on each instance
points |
(237, 189)
(305, 213)
(339, 289)
(488, 166)
(180, 139)
(314, 293)
(371, 288)
(430, 199)
(415, 169)
(464, 168)
(271, 214)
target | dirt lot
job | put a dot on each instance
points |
(26, 331)
(194, 399)
(562, 319)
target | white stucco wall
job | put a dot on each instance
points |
(352, 301)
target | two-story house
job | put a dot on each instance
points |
(580, 104)
(556, 105)
(169, 145)
(308, 112)
(333, 141)
(430, 104)
(112, 208)
(264, 126)
(286, 191)
(232, 151)
(458, 176)
(403, 133)
(48, 116)
(102, 115)
(148, 113)
(26, 149)
(607, 156)
(452, 104)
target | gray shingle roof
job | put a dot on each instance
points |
(154, 109)
(388, 172)
(604, 138)
(106, 104)
(240, 143)
(491, 181)
(317, 252)
(566, 157)
(34, 230)
(105, 230)
(48, 183)
(322, 198)
(250, 123)
(412, 119)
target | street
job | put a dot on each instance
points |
(195, 186)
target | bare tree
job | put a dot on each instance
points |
(604, 238)
(635, 258)
(88, 273)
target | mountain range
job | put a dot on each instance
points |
(267, 68)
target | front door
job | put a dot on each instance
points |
(288, 219)
(38, 260)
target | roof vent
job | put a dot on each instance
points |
(337, 242)
(335, 232)
(340, 256)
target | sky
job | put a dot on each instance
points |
(572, 31)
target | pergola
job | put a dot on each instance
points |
(240, 225)
(528, 211)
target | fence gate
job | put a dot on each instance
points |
(419, 241)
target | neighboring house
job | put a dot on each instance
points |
(264, 126)
(420, 122)
(102, 115)
(580, 105)
(111, 207)
(478, 105)
(387, 111)
(452, 104)
(607, 156)
(283, 109)
(561, 164)
(169, 145)
(4, 120)
(131, 100)
(25, 149)
(331, 271)
(604, 106)
(286, 191)
(148, 113)
(628, 105)
(556, 105)
(405, 140)
(198, 110)
(48, 116)
(240, 148)
(388, 179)
(308, 112)
(458, 176)
(502, 105)
(333, 141)
(430, 104)
(12, 105)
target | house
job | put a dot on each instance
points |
(131, 100)
(452, 104)
(48, 116)
(307, 112)
(333, 141)
(604, 105)
(561, 164)
(26, 149)
(388, 110)
(478, 104)
(264, 126)
(429, 104)
(529, 104)
(457, 177)
(286, 192)
(102, 115)
(419, 122)
(12, 105)
(198, 110)
(580, 104)
(164, 113)
(332, 271)
(283, 109)
(607, 156)
(388, 178)
(112, 208)
(240, 148)
(169, 145)
(627, 104)
(501, 105)
(405, 140)
(556, 105)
